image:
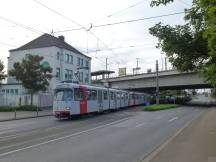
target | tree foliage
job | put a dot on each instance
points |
(2, 75)
(34, 76)
(191, 46)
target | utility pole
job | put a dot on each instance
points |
(165, 64)
(157, 84)
(137, 62)
(106, 67)
(162, 62)
(137, 67)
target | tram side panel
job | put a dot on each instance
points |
(112, 99)
(92, 100)
(105, 99)
(118, 100)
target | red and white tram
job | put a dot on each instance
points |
(74, 99)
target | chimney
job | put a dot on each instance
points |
(61, 37)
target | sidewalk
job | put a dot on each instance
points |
(202, 100)
(196, 143)
(23, 114)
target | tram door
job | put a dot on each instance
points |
(100, 100)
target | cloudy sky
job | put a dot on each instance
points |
(24, 20)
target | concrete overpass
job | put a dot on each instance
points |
(168, 80)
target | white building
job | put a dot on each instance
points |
(65, 60)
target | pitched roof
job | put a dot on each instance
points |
(47, 40)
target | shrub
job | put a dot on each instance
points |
(19, 108)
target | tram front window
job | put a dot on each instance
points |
(63, 95)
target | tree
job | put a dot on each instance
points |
(191, 46)
(34, 76)
(2, 75)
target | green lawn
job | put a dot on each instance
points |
(156, 107)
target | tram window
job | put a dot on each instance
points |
(105, 95)
(123, 96)
(111, 95)
(135, 96)
(88, 94)
(64, 95)
(126, 96)
(94, 95)
(78, 94)
(118, 96)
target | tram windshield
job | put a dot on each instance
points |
(63, 95)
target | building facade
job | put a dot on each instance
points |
(67, 63)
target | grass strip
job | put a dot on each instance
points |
(157, 107)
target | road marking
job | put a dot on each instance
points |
(140, 125)
(64, 137)
(173, 119)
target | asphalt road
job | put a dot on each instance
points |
(127, 135)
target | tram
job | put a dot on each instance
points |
(77, 99)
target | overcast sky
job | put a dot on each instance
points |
(128, 41)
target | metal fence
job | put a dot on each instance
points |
(43, 101)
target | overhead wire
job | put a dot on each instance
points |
(74, 22)
(127, 21)
(131, 46)
(102, 25)
(183, 2)
(134, 20)
(118, 12)
(21, 25)
(6, 44)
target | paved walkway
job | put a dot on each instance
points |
(196, 143)
(203, 100)
(23, 114)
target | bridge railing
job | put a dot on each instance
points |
(133, 74)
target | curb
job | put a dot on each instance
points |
(149, 156)
(28, 117)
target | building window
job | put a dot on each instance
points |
(12, 91)
(86, 78)
(87, 63)
(68, 74)
(7, 91)
(81, 62)
(67, 58)
(58, 73)
(81, 76)
(27, 55)
(16, 91)
(58, 56)
(78, 61)
(71, 59)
